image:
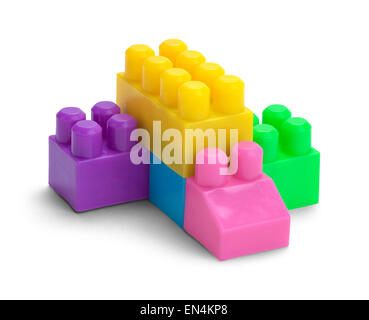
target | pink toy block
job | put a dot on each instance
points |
(235, 215)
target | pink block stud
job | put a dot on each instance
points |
(209, 163)
(249, 157)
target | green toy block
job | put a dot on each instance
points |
(289, 158)
(255, 120)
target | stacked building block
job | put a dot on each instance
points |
(181, 91)
(89, 161)
(289, 158)
(232, 196)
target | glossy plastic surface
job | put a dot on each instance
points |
(243, 214)
(93, 172)
(167, 190)
(289, 158)
(101, 113)
(66, 118)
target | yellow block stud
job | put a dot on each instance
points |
(228, 94)
(207, 72)
(170, 81)
(171, 48)
(194, 101)
(151, 71)
(189, 60)
(135, 57)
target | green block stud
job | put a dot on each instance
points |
(267, 137)
(255, 120)
(276, 115)
(289, 158)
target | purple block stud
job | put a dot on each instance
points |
(65, 119)
(87, 139)
(119, 131)
(101, 113)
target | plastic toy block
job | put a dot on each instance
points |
(167, 190)
(239, 214)
(289, 158)
(255, 120)
(182, 91)
(89, 161)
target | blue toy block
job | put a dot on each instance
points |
(167, 190)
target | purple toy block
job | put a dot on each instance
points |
(90, 171)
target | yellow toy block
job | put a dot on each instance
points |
(193, 95)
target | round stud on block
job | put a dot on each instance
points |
(207, 72)
(171, 48)
(66, 118)
(211, 165)
(87, 139)
(189, 60)
(275, 115)
(135, 57)
(255, 120)
(228, 94)
(119, 129)
(101, 113)
(295, 136)
(250, 160)
(153, 67)
(194, 101)
(170, 81)
(266, 136)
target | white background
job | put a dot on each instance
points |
(311, 56)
